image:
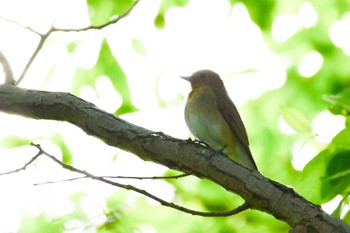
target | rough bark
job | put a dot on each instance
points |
(260, 192)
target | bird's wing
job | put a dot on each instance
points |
(233, 119)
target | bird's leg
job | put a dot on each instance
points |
(220, 151)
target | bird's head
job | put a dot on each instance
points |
(204, 78)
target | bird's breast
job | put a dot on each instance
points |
(204, 119)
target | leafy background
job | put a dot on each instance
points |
(294, 101)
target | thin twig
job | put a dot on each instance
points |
(237, 210)
(91, 27)
(20, 25)
(43, 37)
(119, 177)
(24, 166)
(59, 181)
(7, 69)
(42, 40)
(148, 177)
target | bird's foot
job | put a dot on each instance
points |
(220, 151)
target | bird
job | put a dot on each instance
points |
(212, 117)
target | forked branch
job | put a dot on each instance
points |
(135, 189)
(45, 36)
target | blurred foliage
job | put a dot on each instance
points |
(67, 157)
(13, 141)
(117, 214)
(261, 12)
(339, 104)
(165, 5)
(40, 223)
(296, 119)
(338, 211)
(139, 47)
(103, 11)
(325, 178)
(106, 65)
(328, 174)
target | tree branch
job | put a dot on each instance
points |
(143, 192)
(258, 191)
(24, 166)
(43, 38)
(99, 27)
(118, 177)
(9, 79)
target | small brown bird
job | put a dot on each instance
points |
(212, 117)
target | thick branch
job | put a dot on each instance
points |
(259, 192)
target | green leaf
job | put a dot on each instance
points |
(261, 11)
(337, 176)
(106, 65)
(339, 104)
(347, 217)
(159, 21)
(337, 212)
(139, 47)
(72, 46)
(296, 119)
(165, 5)
(328, 174)
(14, 141)
(79, 212)
(341, 140)
(117, 220)
(122, 6)
(325, 176)
(67, 157)
(33, 224)
(310, 183)
(102, 11)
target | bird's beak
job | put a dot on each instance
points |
(187, 78)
